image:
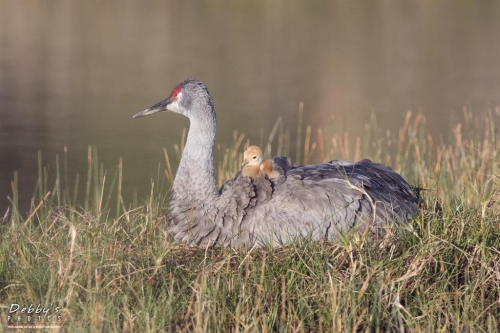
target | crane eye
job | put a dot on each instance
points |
(254, 157)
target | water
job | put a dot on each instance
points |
(72, 73)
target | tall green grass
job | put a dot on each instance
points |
(110, 266)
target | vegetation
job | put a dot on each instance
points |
(109, 266)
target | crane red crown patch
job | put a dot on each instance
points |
(175, 92)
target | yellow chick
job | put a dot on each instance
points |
(253, 165)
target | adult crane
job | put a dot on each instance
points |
(316, 201)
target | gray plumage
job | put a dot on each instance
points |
(315, 201)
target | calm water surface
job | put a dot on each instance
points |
(72, 73)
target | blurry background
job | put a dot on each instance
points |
(72, 73)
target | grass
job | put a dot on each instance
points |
(108, 266)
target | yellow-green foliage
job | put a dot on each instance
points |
(112, 267)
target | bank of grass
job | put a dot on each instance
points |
(110, 266)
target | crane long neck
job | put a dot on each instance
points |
(195, 178)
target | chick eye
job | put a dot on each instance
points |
(254, 157)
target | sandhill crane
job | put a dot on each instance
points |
(316, 201)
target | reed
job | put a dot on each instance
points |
(115, 269)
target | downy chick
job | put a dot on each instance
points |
(253, 165)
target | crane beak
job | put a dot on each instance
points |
(244, 163)
(162, 106)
